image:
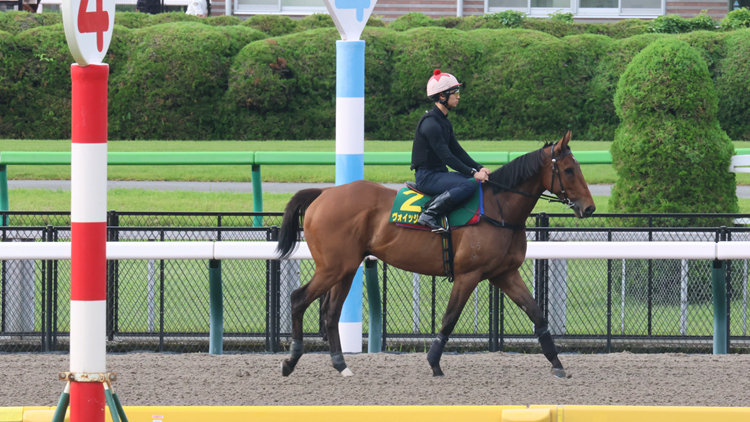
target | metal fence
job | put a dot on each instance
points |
(593, 306)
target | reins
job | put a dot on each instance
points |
(555, 171)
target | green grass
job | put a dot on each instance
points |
(383, 174)
(152, 200)
(148, 200)
(594, 174)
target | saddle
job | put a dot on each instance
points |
(410, 203)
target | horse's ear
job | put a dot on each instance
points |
(560, 146)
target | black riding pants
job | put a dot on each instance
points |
(435, 182)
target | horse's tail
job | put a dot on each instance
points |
(289, 233)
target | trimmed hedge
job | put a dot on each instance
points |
(40, 105)
(506, 20)
(731, 78)
(7, 87)
(163, 92)
(17, 22)
(190, 80)
(669, 148)
(736, 19)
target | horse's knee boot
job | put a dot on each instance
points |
(548, 345)
(436, 350)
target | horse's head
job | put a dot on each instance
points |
(563, 177)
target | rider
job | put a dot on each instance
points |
(435, 147)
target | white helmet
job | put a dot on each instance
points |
(441, 82)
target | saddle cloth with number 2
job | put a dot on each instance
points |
(408, 205)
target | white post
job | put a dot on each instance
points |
(151, 294)
(415, 302)
(683, 297)
(622, 301)
(19, 294)
(744, 299)
(476, 309)
(459, 8)
(290, 281)
(558, 295)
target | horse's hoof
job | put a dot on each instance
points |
(286, 369)
(347, 373)
(560, 373)
(437, 372)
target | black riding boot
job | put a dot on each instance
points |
(439, 207)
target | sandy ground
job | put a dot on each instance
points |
(148, 379)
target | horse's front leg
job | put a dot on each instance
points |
(463, 286)
(512, 285)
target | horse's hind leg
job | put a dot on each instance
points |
(320, 283)
(336, 297)
(301, 300)
(512, 285)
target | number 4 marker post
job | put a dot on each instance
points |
(88, 30)
(350, 17)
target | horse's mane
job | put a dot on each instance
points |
(518, 170)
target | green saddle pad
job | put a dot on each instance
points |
(408, 205)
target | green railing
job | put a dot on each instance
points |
(255, 160)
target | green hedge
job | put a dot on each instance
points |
(510, 19)
(669, 148)
(17, 22)
(162, 92)
(276, 25)
(192, 80)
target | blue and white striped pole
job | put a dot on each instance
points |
(350, 165)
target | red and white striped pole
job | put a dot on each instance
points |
(88, 215)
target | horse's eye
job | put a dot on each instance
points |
(569, 171)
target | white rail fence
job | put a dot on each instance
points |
(267, 250)
(556, 251)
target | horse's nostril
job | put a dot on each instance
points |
(589, 211)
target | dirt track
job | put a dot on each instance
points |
(395, 379)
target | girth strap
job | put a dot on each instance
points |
(447, 242)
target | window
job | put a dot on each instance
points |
(288, 7)
(581, 8)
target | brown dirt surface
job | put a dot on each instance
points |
(149, 379)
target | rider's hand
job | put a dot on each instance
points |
(481, 176)
(485, 170)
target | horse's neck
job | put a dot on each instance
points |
(516, 208)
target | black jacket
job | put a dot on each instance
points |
(435, 146)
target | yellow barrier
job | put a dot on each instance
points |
(535, 413)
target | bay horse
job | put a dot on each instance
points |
(345, 224)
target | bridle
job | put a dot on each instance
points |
(555, 172)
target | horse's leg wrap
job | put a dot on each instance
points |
(337, 359)
(545, 340)
(436, 350)
(297, 349)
